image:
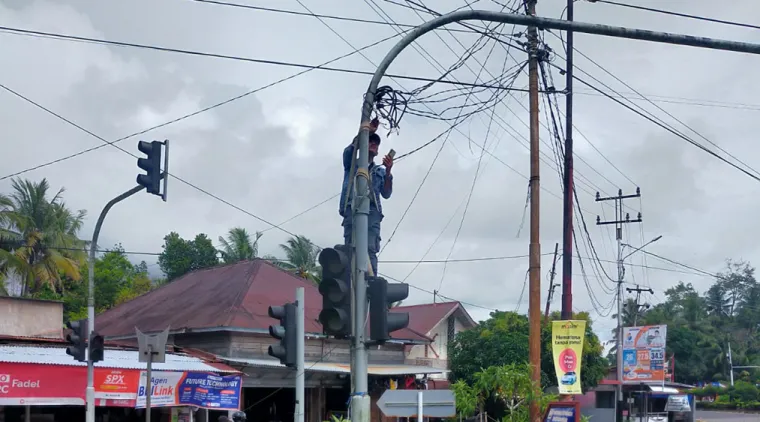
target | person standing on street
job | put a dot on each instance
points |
(380, 185)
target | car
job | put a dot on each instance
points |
(569, 378)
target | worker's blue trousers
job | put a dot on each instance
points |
(373, 223)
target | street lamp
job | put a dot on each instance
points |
(640, 247)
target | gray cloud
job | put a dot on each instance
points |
(277, 153)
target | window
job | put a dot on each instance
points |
(450, 330)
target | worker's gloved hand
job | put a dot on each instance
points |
(373, 125)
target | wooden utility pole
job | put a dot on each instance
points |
(569, 189)
(534, 300)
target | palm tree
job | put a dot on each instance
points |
(300, 258)
(238, 246)
(39, 242)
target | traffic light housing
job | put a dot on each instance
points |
(152, 166)
(335, 289)
(96, 347)
(382, 294)
(285, 332)
(77, 340)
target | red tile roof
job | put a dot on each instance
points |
(424, 317)
(238, 296)
(235, 295)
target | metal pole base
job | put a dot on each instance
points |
(360, 409)
(90, 395)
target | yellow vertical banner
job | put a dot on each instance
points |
(567, 350)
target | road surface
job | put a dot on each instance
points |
(712, 416)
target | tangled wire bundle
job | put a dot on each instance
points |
(390, 105)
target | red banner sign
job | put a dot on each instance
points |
(55, 385)
(31, 384)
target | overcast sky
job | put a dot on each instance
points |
(277, 153)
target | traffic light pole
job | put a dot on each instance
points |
(359, 398)
(90, 392)
(300, 350)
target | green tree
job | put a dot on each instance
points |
(504, 392)
(300, 258)
(39, 242)
(503, 340)
(700, 326)
(180, 256)
(238, 246)
(116, 281)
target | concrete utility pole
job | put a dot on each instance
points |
(300, 349)
(534, 298)
(620, 220)
(90, 391)
(638, 291)
(359, 399)
(567, 215)
(552, 286)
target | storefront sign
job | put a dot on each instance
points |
(116, 384)
(563, 412)
(644, 354)
(567, 348)
(41, 385)
(191, 389)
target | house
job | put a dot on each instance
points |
(439, 322)
(222, 311)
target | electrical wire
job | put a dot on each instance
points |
(66, 37)
(297, 13)
(611, 74)
(507, 49)
(671, 130)
(682, 15)
(197, 112)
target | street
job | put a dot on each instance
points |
(713, 416)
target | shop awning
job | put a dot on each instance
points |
(663, 389)
(372, 369)
(116, 359)
(47, 376)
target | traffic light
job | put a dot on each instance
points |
(381, 295)
(77, 340)
(335, 289)
(285, 332)
(96, 347)
(152, 165)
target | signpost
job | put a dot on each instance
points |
(152, 348)
(420, 403)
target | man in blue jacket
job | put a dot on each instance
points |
(380, 185)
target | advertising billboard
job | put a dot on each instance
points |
(567, 350)
(644, 354)
(203, 390)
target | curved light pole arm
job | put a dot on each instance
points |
(90, 392)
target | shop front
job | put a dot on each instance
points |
(49, 390)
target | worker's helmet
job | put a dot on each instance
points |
(238, 417)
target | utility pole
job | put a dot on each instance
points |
(638, 291)
(567, 215)
(620, 220)
(552, 286)
(534, 298)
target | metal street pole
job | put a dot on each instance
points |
(90, 391)
(149, 383)
(359, 398)
(567, 214)
(300, 370)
